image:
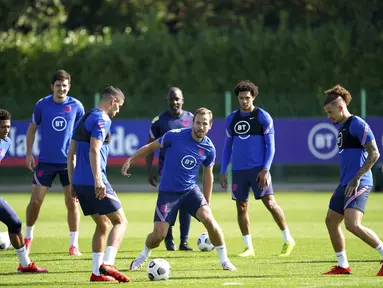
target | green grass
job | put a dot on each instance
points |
(305, 213)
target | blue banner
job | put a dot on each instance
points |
(298, 141)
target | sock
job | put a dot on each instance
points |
(185, 219)
(97, 261)
(110, 255)
(248, 241)
(342, 259)
(222, 253)
(29, 232)
(146, 252)
(379, 248)
(287, 236)
(73, 236)
(23, 256)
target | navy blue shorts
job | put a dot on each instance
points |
(9, 217)
(244, 179)
(339, 202)
(168, 204)
(45, 173)
(91, 205)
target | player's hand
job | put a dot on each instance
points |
(262, 177)
(152, 179)
(125, 168)
(223, 180)
(352, 187)
(100, 190)
(30, 162)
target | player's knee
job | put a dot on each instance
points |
(36, 203)
(270, 205)
(330, 221)
(15, 226)
(71, 204)
(159, 235)
(102, 227)
(241, 207)
(351, 226)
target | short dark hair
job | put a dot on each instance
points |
(203, 111)
(336, 92)
(60, 75)
(111, 91)
(5, 115)
(244, 86)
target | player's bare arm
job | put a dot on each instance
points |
(207, 182)
(95, 164)
(142, 152)
(72, 164)
(149, 162)
(31, 133)
(373, 156)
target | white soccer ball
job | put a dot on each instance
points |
(5, 242)
(204, 243)
(158, 269)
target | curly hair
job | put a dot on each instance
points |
(336, 92)
(244, 86)
(5, 115)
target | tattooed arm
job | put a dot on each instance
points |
(373, 156)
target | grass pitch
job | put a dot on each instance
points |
(305, 214)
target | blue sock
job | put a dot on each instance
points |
(169, 236)
(185, 219)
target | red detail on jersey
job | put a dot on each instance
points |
(68, 108)
(186, 123)
(201, 151)
(234, 187)
(163, 208)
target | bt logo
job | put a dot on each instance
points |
(323, 141)
(188, 162)
(242, 127)
(59, 123)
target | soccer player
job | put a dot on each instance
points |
(56, 116)
(7, 214)
(174, 118)
(358, 153)
(250, 146)
(87, 158)
(186, 150)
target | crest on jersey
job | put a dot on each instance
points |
(68, 108)
(201, 151)
(2, 152)
(155, 119)
(186, 123)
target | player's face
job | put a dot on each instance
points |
(201, 125)
(5, 126)
(60, 89)
(175, 101)
(245, 100)
(115, 106)
(334, 113)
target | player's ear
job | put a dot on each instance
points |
(52, 87)
(69, 86)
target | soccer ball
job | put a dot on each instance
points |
(5, 242)
(158, 269)
(204, 243)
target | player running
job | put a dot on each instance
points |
(186, 151)
(7, 214)
(87, 158)
(250, 146)
(56, 115)
(358, 153)
(174, 118)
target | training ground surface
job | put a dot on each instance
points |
(305, 214)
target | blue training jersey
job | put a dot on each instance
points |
(165, 122)
(96, 124)
(246, 136)
(56, 122)
(4, 146)
(184, 156)
(354, 133)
